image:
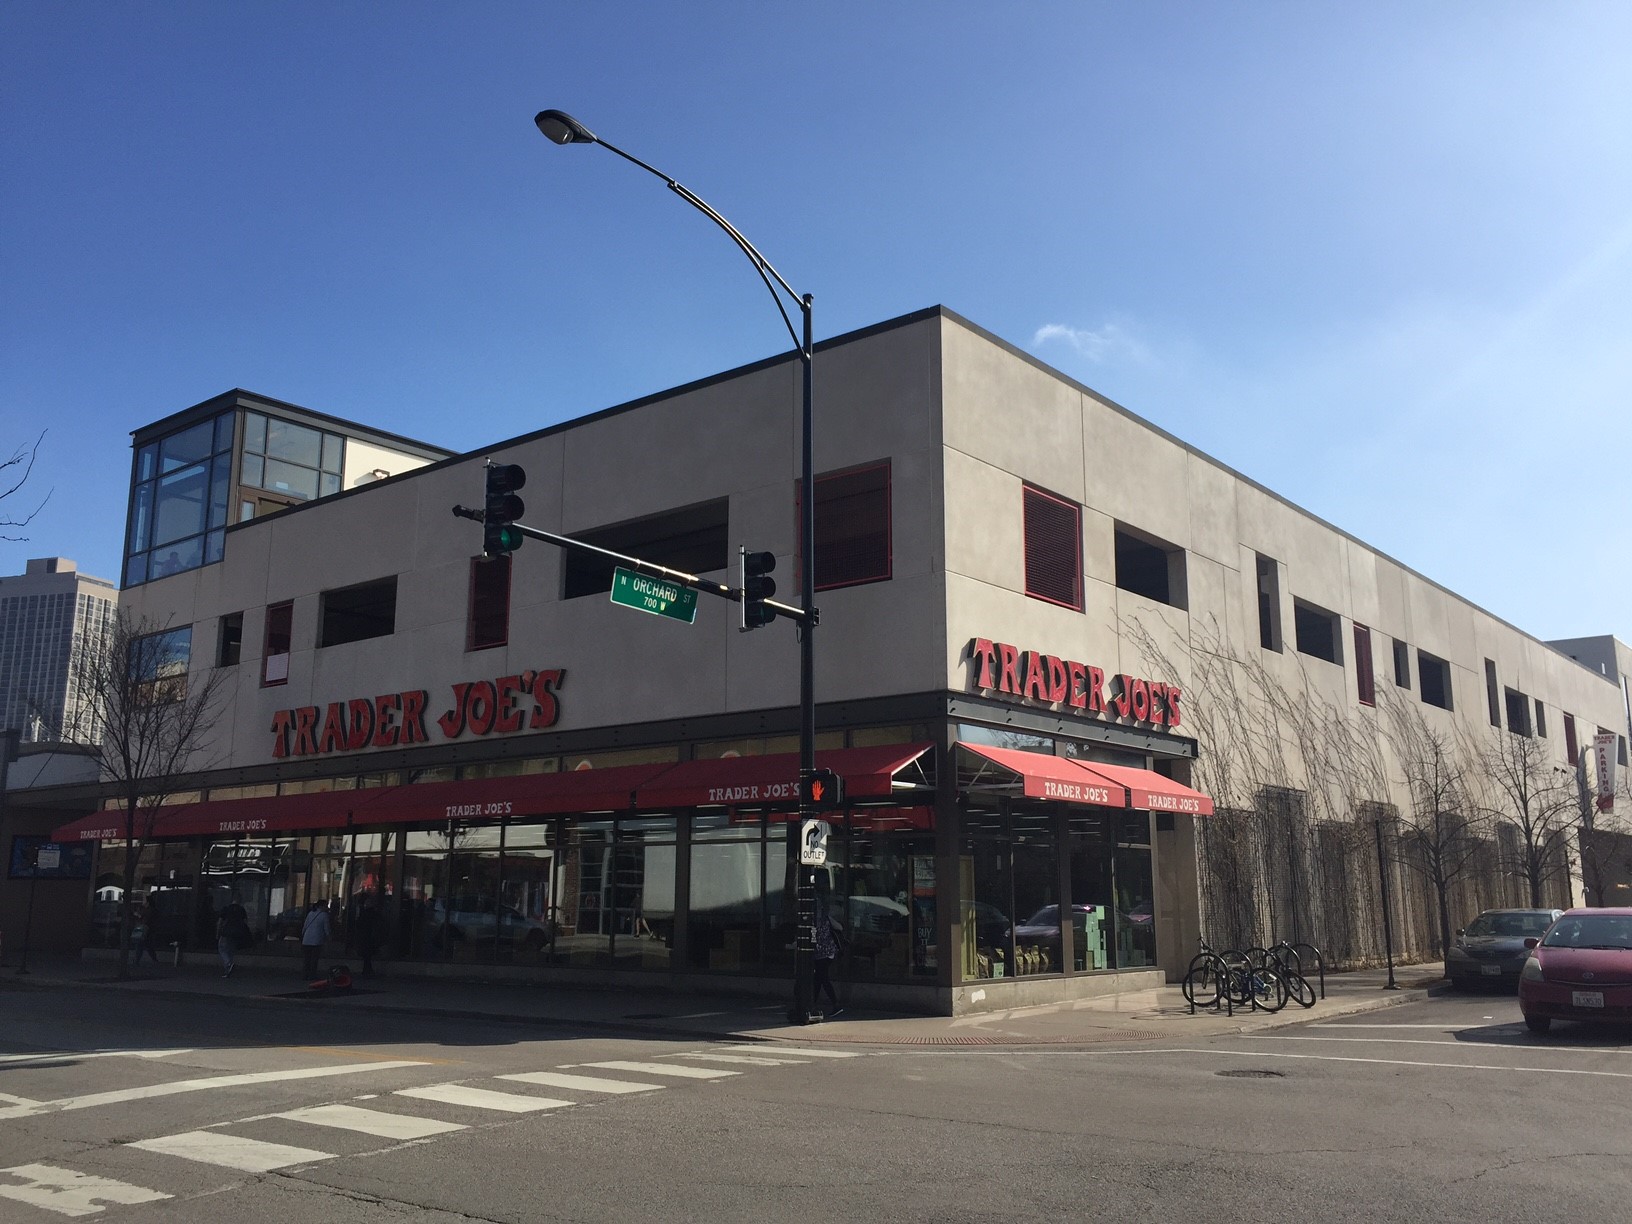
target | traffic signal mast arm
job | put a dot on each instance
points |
(707, 586)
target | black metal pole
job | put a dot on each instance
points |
(561, 128)
(804, 943)
(1388, 924)
(28, 919)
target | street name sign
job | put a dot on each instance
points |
(654, 595)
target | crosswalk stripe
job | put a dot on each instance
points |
(72, 1194)
(481, 1098)
(122, 1096)
(747, 1060)
(652, 1068)
(583, 1083)
(792, 1051)
(231, 1151)
(371, 1121)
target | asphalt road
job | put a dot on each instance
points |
(142, 1109)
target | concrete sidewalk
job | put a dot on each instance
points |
(1147, 1015)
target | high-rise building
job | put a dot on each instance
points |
(48, 615)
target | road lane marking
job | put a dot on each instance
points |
(481, 1098)
(747, 1060)
(17, 1100)
(174, 1087)
(652, 1068)
(583, 1083)
(1383, 1062)
(791, 1051)
(361, 1055)
(231, 1151)
(1444, 1028)
(59, 1055)
(72, 1194)
(1520, 1044)
(372, 1122)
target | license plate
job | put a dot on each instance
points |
(1586, 998)
(1491, 970)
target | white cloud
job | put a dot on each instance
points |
(1097, 345)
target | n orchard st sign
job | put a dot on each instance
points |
(1080, 687)
(482, 707)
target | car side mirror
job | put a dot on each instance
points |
(1531, 942)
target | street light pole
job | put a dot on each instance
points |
(1388, 923)
(563, 129)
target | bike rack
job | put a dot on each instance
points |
(1320, 963)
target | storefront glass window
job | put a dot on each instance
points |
(1088, 845)
(781, 891)
(643, 893)
(585, 937)
(527, 894)
(871, 891)
(1135, 912)
(474, 925)
(974, 733)
(628, 756)
(984, 892)
(1038, 920)
(727, 893)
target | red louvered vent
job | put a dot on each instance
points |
(1053, 549)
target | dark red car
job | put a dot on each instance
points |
(1580, 969)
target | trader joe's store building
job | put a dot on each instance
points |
(529, 780)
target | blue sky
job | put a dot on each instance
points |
(1377, 257)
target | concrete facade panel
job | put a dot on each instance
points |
(1016, 417)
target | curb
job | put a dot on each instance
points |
(432, 1013)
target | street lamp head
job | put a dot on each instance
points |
(562, 128)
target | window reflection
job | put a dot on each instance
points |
(727, 893)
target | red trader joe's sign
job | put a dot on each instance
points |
(482, 707)
(1050, 680)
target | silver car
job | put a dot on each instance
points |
(1490, 950)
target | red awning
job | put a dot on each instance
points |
(1151, 792)
(1052, 777)
(868, 773)
(475, 799)
(1071, 781)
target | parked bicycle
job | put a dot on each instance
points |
(1234, 979)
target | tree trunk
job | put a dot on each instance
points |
(1441, 893)
(127, 901)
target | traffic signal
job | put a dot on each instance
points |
(757, 587)
(500, 534)
(824, 790)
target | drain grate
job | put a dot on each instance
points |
(1251, 1073)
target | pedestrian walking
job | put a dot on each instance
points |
(231, 933)
(313, 935)
(146, 933)
(829, 943)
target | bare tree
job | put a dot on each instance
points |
(14, 474)
(154, 720)
(1288, 772)
(1538, 799)
(1443, 832)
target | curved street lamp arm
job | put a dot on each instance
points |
(767, 273)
